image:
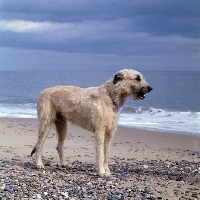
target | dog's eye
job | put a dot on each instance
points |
(138, 78)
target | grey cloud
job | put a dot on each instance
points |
(136, 31)
(99, 38)
(172, 17)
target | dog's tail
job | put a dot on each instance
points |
(33, 151)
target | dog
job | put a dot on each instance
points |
(95, 109)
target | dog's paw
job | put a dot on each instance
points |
(66, 166)
(104, 174)
(107, 170)
(40, 166)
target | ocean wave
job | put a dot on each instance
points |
(160, 119)
(27, 110)
(136, 117)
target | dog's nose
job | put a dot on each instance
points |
(150, 88)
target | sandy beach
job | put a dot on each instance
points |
(144, 164)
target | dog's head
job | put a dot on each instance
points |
(133, 83)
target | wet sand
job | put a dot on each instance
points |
(20, 136)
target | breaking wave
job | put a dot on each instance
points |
(161, 120)
(135, 117)
(27, 110)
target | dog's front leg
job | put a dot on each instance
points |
(107, 143)
(100, 135)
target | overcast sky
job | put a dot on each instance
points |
(100, 34)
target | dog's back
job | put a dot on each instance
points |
(77, 105)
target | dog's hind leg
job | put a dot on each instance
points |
(45, 118)
(44, 128)
(61, 128)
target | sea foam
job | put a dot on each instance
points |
(161, 120)
(134, 117)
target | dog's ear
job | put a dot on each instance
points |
(118, 77)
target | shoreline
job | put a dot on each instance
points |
(184, 123)
(181, 133)
(143, 164)
(162, 131)
(129, 138)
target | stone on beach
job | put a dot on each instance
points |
(129, 180)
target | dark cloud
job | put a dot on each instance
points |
(155, 29)
(173, 17)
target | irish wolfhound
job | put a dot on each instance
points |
(95, 109)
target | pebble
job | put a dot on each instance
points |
(38, 196)
(130, 179)
(9, 151)
(145, 166)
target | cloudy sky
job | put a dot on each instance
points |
(100, 34)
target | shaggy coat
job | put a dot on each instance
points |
(95, 109)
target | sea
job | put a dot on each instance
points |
(173, 106)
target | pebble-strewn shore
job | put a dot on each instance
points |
(130, 179)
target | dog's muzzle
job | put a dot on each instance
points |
(141, 93)
(144, 91)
